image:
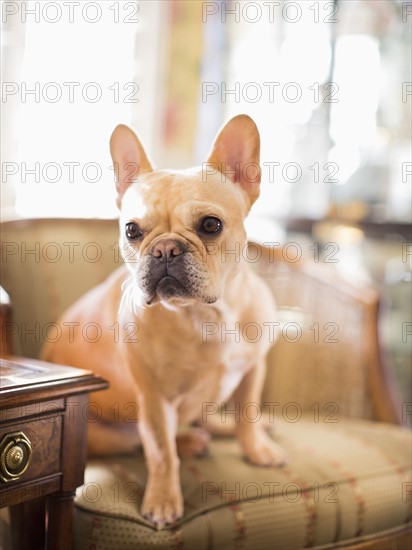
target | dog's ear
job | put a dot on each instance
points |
(129, 157)
(236, 154)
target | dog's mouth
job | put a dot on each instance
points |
(166, 282)
(168, 287)
(179, 282)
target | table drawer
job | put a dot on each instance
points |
(30, 450)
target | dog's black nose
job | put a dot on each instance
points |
(167, 249)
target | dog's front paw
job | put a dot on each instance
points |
(162, 508)
(260, 449)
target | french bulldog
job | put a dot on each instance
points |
(178, 232)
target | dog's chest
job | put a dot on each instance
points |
(214, 387)
(197, 360)
(233, 371)
(226, 361)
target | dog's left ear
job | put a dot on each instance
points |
(236, 154)
(129, 157)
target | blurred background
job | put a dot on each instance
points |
(328, 83)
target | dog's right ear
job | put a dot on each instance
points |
(129, 157)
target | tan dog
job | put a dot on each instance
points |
(164, 367)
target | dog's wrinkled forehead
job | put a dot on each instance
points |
(160, 193)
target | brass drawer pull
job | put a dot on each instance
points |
(15, 455)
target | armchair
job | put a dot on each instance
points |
(329, 400)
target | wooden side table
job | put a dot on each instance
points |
(43, 440)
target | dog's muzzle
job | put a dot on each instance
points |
(166, 272)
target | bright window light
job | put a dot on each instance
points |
(77, 85)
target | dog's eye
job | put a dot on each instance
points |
(133, 231)
(211, 225)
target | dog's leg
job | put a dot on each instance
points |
(163, 501)
(257, 445)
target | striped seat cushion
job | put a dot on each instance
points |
(345, 482)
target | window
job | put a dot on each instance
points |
(81, 70)
(328, 83)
